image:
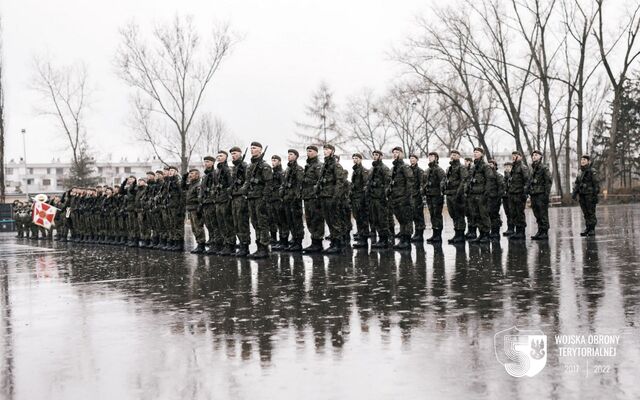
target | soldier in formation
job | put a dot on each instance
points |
(222, 200)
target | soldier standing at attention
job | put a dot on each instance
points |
(376, 193)
(539, 191)
(129, 191)
(175, 209)
(401, 190)
(358, 201)
(191, 186)
(140, 205)
(328, 189)
(518, 181)
(239, 202)
(587, 188)
(277, 218)
(505, 200)
(292, 200)
(477, 189)
(224, 212)
(495, 191)
(434, 179)
(312, 208)
(207, 206)
(417, 205)
(472, 225)
(455, 179)
(257, 187)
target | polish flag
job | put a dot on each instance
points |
(43, 214)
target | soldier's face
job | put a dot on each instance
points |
(193, 175)
(208, 164)
(584, 162)
(397, 154)
(432, 158)
(150, 177)
(221, 158)
(455, 156)
(130, 180)
(291, 157)
(357, 160)
(172, 172)
(311, 153)
(492, 165)
(275, 162)
(142, 182)
(507, 168)
(514, 157)
(327, 152)
(477, 154)
(376, 157)
(536, 157)
(255, 151)
(235, 155)
(159, 176)
(414, 160)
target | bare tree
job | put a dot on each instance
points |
(368, 128)
(323, 125)
(400, 109)
(170, 75)
(214, 135)
(630, 29)
(65, 92)
(2, 182)
(536, 34)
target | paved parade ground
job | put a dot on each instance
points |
(95, 322)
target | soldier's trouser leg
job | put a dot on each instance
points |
(540, 206)
(334, 219)
(293, 211)
(177, 223)
(588, 207)
(260, 220)
(379, 215)
(435, 203)
(478, 204)
(210, 220)
(471, 221)
(197, 226)
(142, 226)
(224, 219)
(455, 206)
(314, 218)
(273, 209)
(166, 224)
(517, 203)
(361, 215)
(132, 225)
(240, 219)
(494, 212)
(507, 210)
(417, 213)
(402, 210)
(283, 226)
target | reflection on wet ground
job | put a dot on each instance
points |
(93, 321)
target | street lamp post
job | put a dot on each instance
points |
(24, 149)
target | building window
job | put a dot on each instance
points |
(99, 170)
(46, 182)
(9, 171)
(127, 170)
(48, 171)
(117, 170)
(29, 181)
(59, 171)
(30, 171)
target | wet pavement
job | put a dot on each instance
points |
(93, 321)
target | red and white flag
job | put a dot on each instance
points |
(42, 214)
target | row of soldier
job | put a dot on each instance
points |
(149, 212)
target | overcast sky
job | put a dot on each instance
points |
(289, 47)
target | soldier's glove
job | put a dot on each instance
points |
(574, 196)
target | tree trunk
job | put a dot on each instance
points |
(549, 134)
(613, 137)
(567, 149)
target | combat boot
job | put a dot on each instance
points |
(282, 245)
(591, 230)
(586, 230)
(179, 245)
(262, 251)
(296, 246)
(374, 238)
(226, 250)
(509, 231)
(404, 243)
(315, 247)
(243, 250)
(334, 247)
(459, 237)
(495, 234)
(274, 238)
(471, 234)
(543, 235)
(436, 237)
(383, 243)
(536, 236)
(434, 233)
(136, 242)
(199, 249)
(361, 243)
(518, 234)
(418, 236)
(483, 238)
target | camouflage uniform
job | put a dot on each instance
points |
(359, 205)
(477, 193)
(142, 215)
(239, 207)
(257, 187)
(376, 192)
(495, 191)
(433, 181)
(330, 189)
(292, 199)
(587, 188)
(505, 204)
(192, 205)
(312, 208)
(539, 191)
(518, 180)
(455, 181)
(224, 213)
(208, 210)
(417, 203)
(277, 217)
(401, 191)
